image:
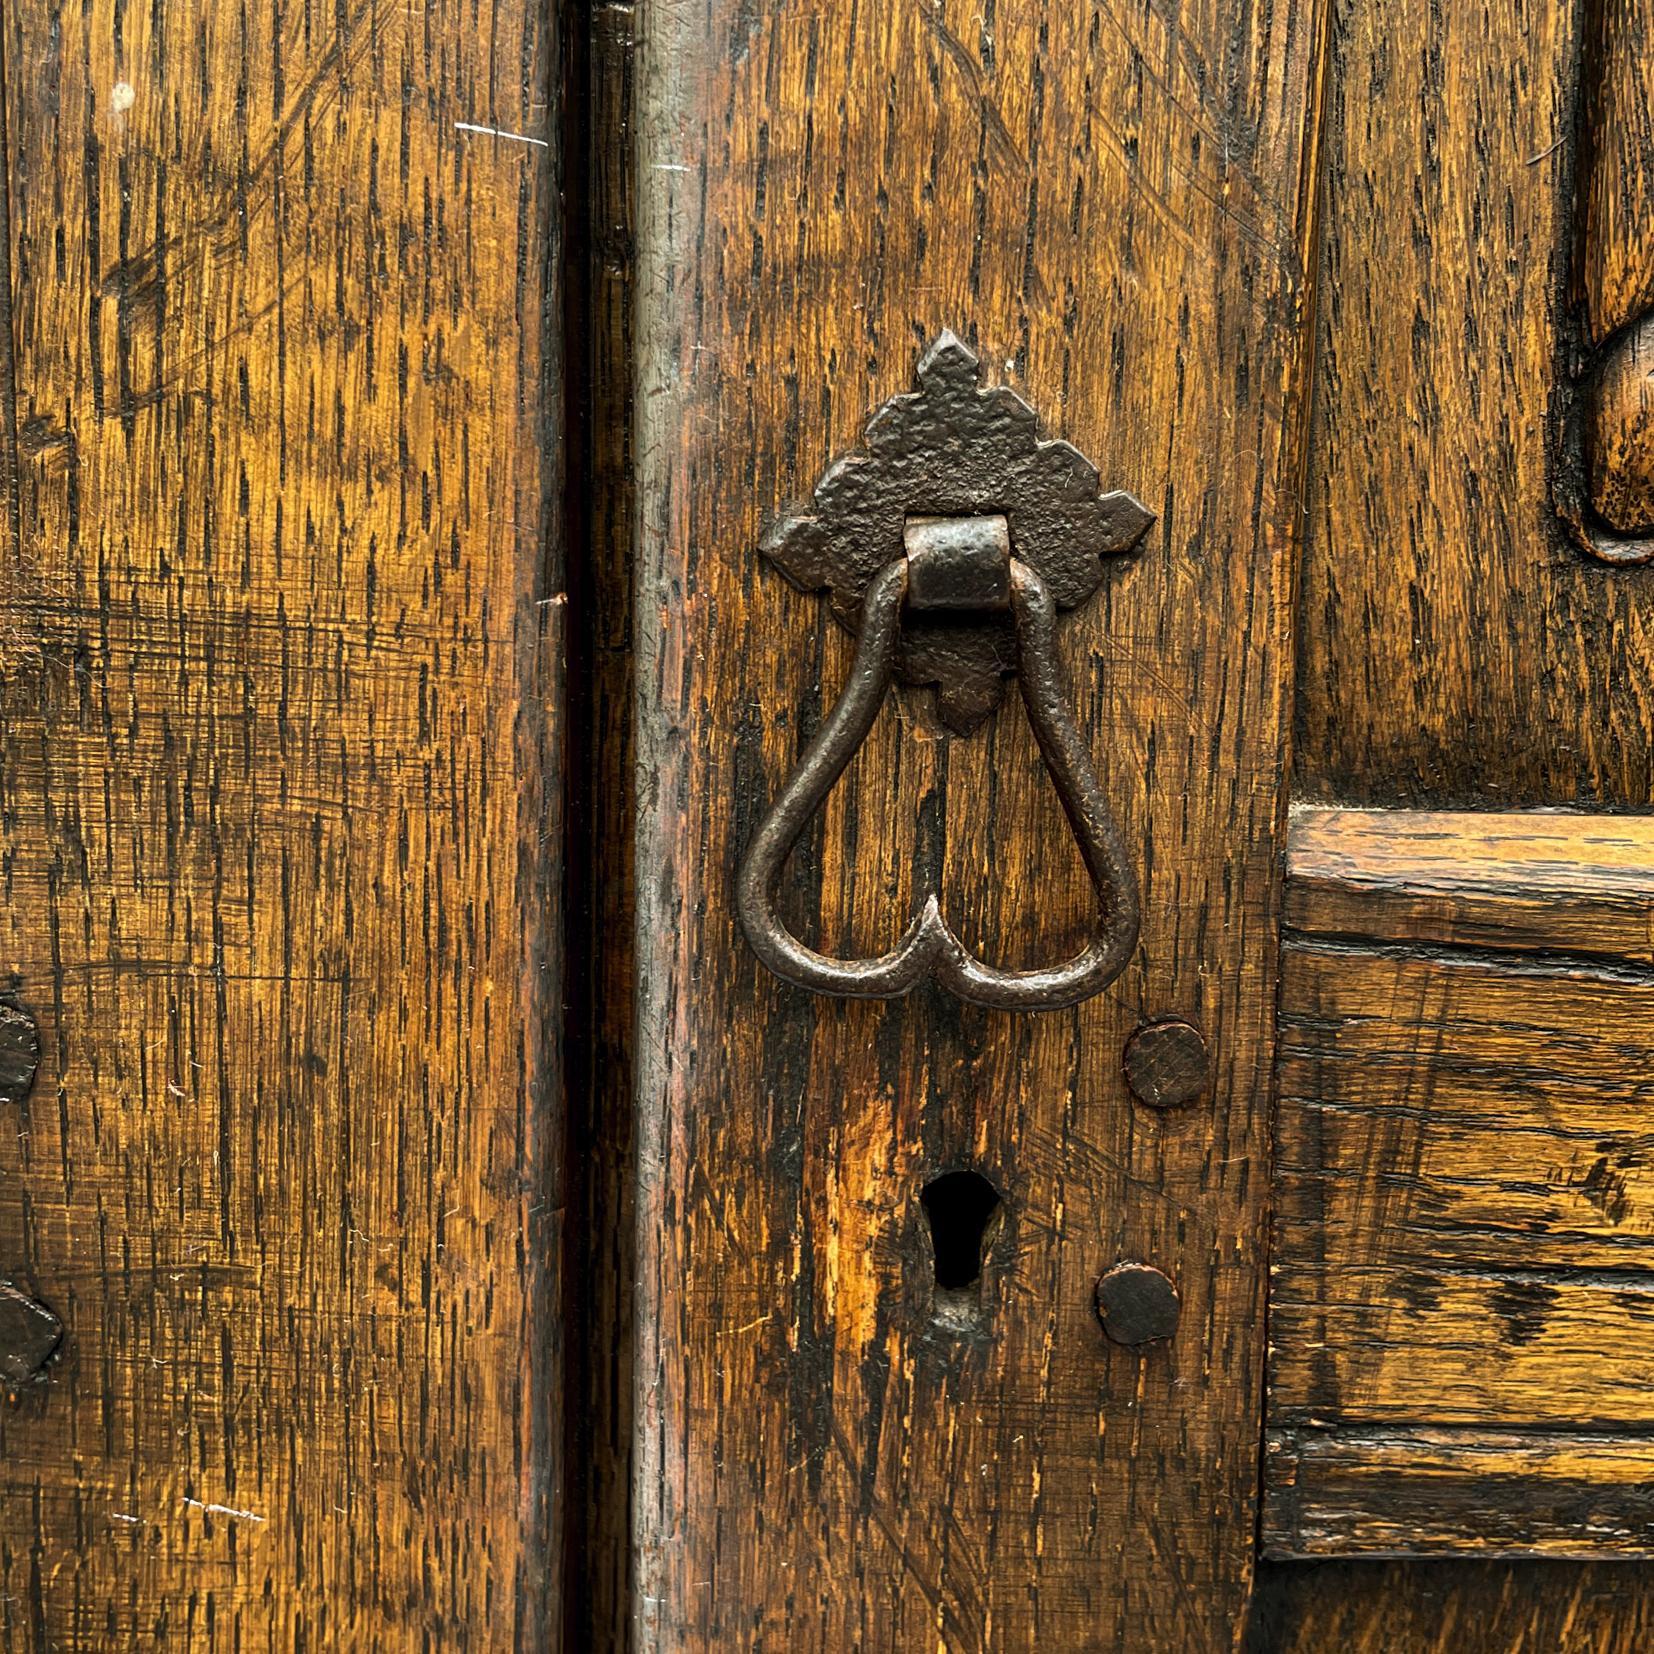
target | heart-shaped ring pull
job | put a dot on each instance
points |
(958, 565)
(957, 512)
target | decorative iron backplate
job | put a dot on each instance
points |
(954, 449)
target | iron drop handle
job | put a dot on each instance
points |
(958, 565)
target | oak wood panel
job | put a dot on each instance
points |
(1457, 1144)
(1464, 1219)
(1112, 207)
(1453, 649)
(1456, 648)
(279, 825)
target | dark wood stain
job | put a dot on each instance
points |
(1462, 1280)
(1112, 210)
(280, 787)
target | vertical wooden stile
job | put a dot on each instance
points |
(1116, 214)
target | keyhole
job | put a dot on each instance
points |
(962, 1209)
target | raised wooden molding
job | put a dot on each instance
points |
(1531, 879)
(1617, 177)
(1605, 486)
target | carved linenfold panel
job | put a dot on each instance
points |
(1605, 483)
(1617, 178)
(1618, 440)
(1456, 645)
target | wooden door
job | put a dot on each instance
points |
(447, 450)
(1352, 298)
(280, 789)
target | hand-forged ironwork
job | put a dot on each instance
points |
(953, 447)
(949, 470)
(928, 947)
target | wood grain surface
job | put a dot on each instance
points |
(1618, 447)
(1422, 1491)
(1605, 405)
(1455, 645)
(1112, 207)
(1524, 881)
(279, 793)
(1462, 1284)
(282, 741)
